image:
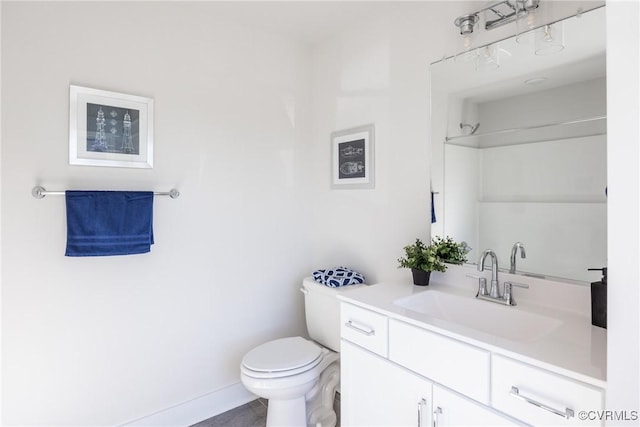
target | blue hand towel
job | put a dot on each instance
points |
(339, 276)
(102, 223)
(433, 208)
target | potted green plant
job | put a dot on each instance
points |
(449, 251)
(423, 259)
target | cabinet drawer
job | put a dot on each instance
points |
(540, 397)
(461, 367)
(365, 328)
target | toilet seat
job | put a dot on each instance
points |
(282, 358)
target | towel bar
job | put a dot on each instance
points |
(39, 192)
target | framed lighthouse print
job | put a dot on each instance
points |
(352, 158)
(110, 128)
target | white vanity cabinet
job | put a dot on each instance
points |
(375, 391)
(395, 373)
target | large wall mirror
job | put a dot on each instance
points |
(519, 150)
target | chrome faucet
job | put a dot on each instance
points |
(514, 251)
(507, 297)
(494, 291)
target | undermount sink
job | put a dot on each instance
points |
(502, 321)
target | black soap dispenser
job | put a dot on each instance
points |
(599, 299)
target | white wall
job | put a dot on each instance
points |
(1, 321)
(521, 189)
(571, 102)
(623, 109)
(528, 189)
(101, 341)
(378, 72)
(462, 190)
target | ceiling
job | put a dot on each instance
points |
(306, 21)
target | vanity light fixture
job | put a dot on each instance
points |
(527, 21)
(527, 5)
(532, 24)
(496, 15)
(535, 26)
(466, 23)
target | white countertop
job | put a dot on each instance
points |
(575, 348)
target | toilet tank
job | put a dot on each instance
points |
(322, 311)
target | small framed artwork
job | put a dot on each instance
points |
(352, 158)
(110, 128)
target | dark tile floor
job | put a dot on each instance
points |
(252, 414)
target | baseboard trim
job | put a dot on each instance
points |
(195, 410)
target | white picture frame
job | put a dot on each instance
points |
(110, 129)
(352, 158)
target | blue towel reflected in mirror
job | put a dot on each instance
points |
(433, 208)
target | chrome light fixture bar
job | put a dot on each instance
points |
(501, 13)
(497, 14)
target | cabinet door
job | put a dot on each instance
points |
(376, 392)
(452, 409)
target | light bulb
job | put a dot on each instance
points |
(549, 39)
(466, 42)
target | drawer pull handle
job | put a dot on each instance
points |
(362, 329)
(421, 405)
(568, 413)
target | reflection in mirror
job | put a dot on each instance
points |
(519, 153)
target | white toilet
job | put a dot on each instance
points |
(299, 376)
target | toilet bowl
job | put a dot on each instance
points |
(300, 376)
(289, 372)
